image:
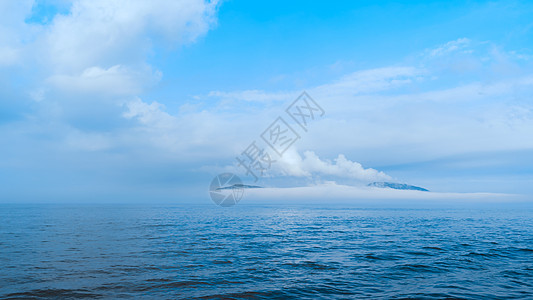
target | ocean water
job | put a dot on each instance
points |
(263, 252)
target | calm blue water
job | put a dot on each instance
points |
(169, 252)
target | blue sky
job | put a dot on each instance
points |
(147, 101)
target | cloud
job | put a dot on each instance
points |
(397, 114)
(292, 164)
(372, 80)
(96, 47)
(83, 141)
(8, 56)
(188, 135)
(251, 96)
(356, 83)
(105, 33)
(149, 114)
(13, 30)
(379, 116)
(332, 193)
(85, 66)
(116, 80)
(449, 47)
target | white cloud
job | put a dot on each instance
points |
(385, 114)
(186, 135)
(13, 30)
(450, 46)
(331, 193)
(520, 56)
(395, 115)
(98, 46)
(116, 80)
(86, 62)
(8, 56)
(78, 140)
(105, 33)
(368, 81)
(355, 83)
(12, 14)
(149, 114)
(292, 164)
(251, 96)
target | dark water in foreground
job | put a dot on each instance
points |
(264, 252)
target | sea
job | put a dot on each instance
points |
(109, 251)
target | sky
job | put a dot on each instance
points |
(147, 101)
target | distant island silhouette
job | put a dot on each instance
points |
(397, 186)
(239, 186)
(392, 185)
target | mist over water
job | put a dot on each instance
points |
(264, 252)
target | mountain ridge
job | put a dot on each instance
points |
(398, 186)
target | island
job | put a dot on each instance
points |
(397, 186)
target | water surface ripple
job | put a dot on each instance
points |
(247, 252)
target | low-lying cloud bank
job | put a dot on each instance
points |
(343, 194)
